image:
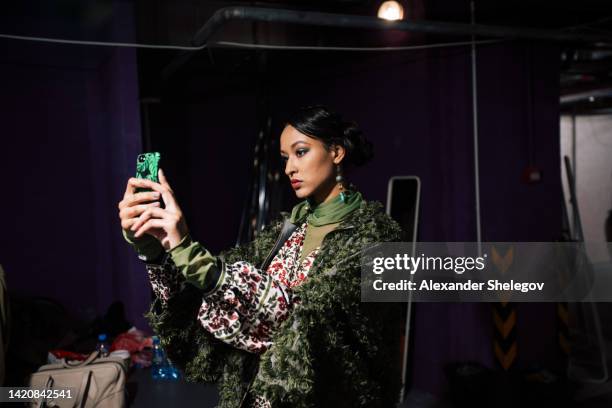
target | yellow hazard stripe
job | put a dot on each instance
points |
(505, 358)
(504, 327)
(563, 313)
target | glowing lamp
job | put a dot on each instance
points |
(391, 10)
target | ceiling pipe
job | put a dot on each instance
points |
(272, 15)
(585, 95)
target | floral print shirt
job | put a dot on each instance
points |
(247, 304)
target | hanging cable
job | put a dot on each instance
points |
(100, 43)
(475, 127)
(241, 45)
(333, 48)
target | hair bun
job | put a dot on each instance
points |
(320, 122)
(360, 150)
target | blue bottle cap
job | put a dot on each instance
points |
(155, 340)
(102, 337)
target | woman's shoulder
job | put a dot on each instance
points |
(371, 219)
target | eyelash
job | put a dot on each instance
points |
(299, 153)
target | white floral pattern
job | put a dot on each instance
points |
(164, 279)
(286, 267)
(246, 305)
(261, 402)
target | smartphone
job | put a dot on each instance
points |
(147, 165)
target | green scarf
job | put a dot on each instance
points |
(329, 212)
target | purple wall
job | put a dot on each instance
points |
(48, 191)
(207, 153)
(70, 135)
(512, 210)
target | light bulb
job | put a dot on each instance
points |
(391, 10)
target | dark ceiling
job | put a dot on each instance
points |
(586, 67)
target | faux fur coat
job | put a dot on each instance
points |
(332, 351)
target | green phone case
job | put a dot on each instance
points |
(147, 165)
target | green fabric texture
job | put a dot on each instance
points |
(147, 247)
(314, 238)
(193, 261)
(329, 212)
(332, 350)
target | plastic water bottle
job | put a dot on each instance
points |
(158, 361)
(102, 346)
(172, 373)
(161, 368)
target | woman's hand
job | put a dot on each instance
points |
(134, 204)
(167, 225)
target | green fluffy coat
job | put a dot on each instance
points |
(333, 350)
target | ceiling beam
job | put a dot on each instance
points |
(273, 15)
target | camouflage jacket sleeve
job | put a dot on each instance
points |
(183, 307)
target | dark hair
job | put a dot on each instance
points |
(321, 123)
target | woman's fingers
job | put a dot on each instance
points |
(129, 215)
(145, 196)
(131, 197)
(129, 190)
(149, 214)
(151, 223)
(126, 223)
(139, 215)
(167, 193)
(163, 180)
(136, 210)
(138, 198)
(134, 183)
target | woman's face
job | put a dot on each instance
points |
(308, 164)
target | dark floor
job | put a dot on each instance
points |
(602, 399)
(419, 399)
(144, 392)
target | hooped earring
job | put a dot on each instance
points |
(340, 181)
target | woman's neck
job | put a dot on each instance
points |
(327, 194)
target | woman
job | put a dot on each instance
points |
(278, 322)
